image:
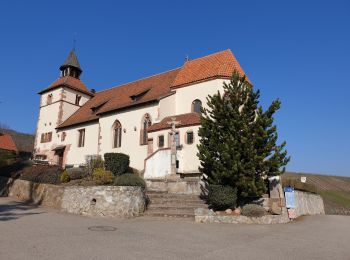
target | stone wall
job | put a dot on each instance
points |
(308, 204)
(175, 186)
(112, 201)
(208, 216)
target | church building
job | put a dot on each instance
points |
(154, 120)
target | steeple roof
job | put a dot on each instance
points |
(71, 61)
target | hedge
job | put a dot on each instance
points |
(117, 163)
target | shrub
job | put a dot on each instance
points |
(222, 197)
(117, 163)
(129, 179)
(41, 174)
(64, 177)
(253, 210)
(102, 177)
(76, 173)
(93, 163)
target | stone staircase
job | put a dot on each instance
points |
(164, 204)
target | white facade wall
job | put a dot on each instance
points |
(130, 120)
(186, 95)
(77, 155)
(166, 107)
(187, 155)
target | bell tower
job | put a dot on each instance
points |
(71, 66)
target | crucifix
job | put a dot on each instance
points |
(173, 123)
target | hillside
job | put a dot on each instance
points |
(24, 142)
(335, 190)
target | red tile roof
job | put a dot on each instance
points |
(6, 143)
(184, 120)
(120, 97)
(217, 65)
(69, 82)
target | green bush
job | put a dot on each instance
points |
(76, 173)
(222, 197)
(117, 163)
(64, 177)
(129, 179)
(253, 210)
(102, 177)
(41, 174)
(93, 163)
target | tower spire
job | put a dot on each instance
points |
(71, 66)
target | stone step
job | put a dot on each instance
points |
(176, 201)
(172, 214)
(172, 196)
(175, 207)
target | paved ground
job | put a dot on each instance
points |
(37, 233)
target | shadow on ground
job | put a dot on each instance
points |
(16, 210)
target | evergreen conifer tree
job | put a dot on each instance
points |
(238, 140)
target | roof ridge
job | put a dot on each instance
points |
(215, 53)
(134, 81)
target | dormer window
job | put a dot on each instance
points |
(96, 107)
(138, 96)
(77, 100)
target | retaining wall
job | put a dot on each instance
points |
(112, 201)
(308, 204)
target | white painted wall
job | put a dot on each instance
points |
(77, 155)
(187, 156)
(129, 119)
(186, 95)
(158, 165)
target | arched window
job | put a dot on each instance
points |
(146, 122)
(117, 134)
(49, 99)
(196, 106)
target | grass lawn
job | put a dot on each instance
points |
(337, 197)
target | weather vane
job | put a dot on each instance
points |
(74, 40)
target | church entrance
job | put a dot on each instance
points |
(59, 152)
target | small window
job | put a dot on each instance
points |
(63, 136)
(177, 139)
(77, 100)
(117, 138)
(49, 99)
(189, 137)
(46, 137)
(146, 123)
(196, 106)
(81, 140)
(161, 141)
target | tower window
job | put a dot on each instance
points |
(196, 106)
(77, 100)
(117, 132)
(81, 137)
(49, 99)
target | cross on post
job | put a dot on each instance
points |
(173, 124)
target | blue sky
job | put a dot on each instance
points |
(297, 51)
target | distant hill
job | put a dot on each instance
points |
(24, 142)
(335, 190)
(322, 182)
